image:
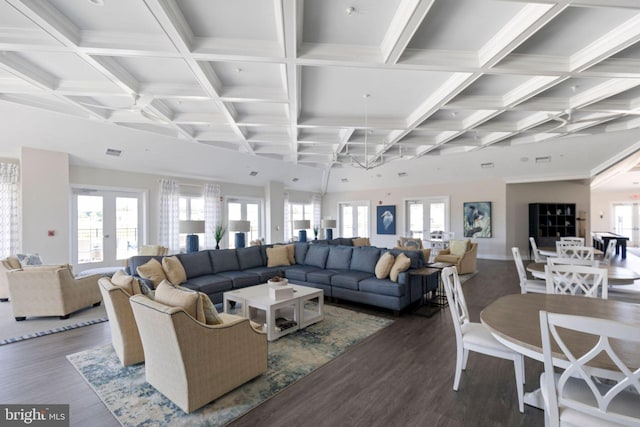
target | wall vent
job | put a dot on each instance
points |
(253, 173)
(113, 152)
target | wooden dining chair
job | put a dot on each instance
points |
(576, 280)
(526, 284)
(576, 396)
(473, 336)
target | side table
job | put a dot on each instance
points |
(430, 280)
(440, 295)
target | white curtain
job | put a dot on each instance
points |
(316, 203)
(9, 230)
(287, 219)
(212, 213)
(169, 228)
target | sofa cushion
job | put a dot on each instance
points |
(402, 263)
(349, 279)
(224, 260)
(174, 270)
(242, 279)
(339, 257)
(298, 273)
(317, 256)
(196, 264)
(187, 299)
(416, 256)
(458, 247)
(209, 284)
(126, 282)
(153, 271)
(278, 256)
(365, 258)
(344, 241)
(300, 251)
(266, 273)
(384, 264)
(322, 277)
(381, 287)
(249, 257)
(291, 253)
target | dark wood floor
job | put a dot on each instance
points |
(402, 376)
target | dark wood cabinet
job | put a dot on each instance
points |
(550, 221)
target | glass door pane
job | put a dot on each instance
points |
(126, 227)
(416, 220)
(347, 221)
(363, 222)
(437, 220)
(90, 232)
(253, 215)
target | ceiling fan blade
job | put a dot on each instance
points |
(151, 116)
(104, 107)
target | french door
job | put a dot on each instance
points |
(425, 216)
(107, 226)
(626, 221)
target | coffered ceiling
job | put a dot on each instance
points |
(325, 94)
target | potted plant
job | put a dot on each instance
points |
(315, 231)
(220, 230)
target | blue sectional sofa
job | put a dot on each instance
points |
(342, 272)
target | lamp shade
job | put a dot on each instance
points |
(328, 223)
(240, 226)
(301, 224)
(191, 227)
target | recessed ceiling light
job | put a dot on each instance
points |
(488, 165)
(253, 173)
(350, 10)
(545, 159)
(113, 152)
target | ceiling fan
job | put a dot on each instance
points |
(566, 117)
(137, 106)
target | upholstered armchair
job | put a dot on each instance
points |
(50, 291)
(414, 244)
(461, 253)
(7, 264)
(193, 363)
(124, 331)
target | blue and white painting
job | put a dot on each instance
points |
(386, 219)
(477, 219)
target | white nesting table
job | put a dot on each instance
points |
(304, 308)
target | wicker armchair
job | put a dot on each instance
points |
(50, 291)
(192, 363)
(124, 331)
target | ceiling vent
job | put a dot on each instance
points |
(486, 165)
(113, 152)
(402, 174)
(545, 159)
(294, 179)
(345, 180)
(253, 173)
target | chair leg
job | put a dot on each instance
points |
(466, 358)
(20, 319)
(97, 304)
(4, 299)
(459, 367)
(66, 316)
(518, 365)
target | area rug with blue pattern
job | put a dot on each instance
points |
(134, 402)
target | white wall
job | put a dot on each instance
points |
(44, 181)
(490, 191)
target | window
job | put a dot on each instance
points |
(191, 208)
(354, 219)
(247, 210)
(300, 211)
(425, 216)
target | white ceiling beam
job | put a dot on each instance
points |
(405, 23)
(290, 17)
(47, 17)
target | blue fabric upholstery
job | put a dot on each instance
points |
(339, 257)
(266, 273)
(242, 279)
(300, 251)
(349, 279)
(322, 277)
(317, 256)
(250, 257)
(298, 273)
(224, 260)
(382, 287)
(416, 257)
(365, 258)
(211, 284)
(196, 264)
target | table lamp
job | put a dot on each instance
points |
(302, 225)
(329, 225)
(240, 227)
(192, 228)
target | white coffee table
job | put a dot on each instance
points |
(304, 308)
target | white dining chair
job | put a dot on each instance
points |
(573, 261)
(574, 396)
(539, 255)
(473, 336)
(576, 280)
(527, 285)
(578, 252)
(578, 240)
(609, 252)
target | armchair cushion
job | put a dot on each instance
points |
(458, 247)
(190, 301)
(174, 270)
(153, 271)
(13, 262)
(410, 243)
(361, 241)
